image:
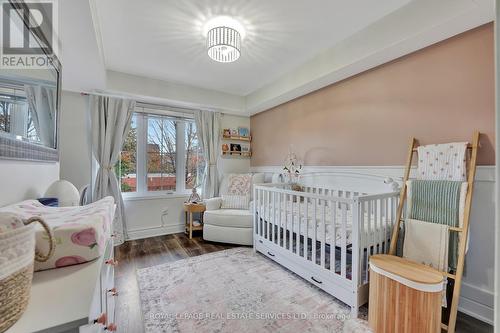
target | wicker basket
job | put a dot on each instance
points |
(17, 255)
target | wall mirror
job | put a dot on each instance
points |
(29, 107)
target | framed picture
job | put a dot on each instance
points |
(235, 147)
(226, 132)
(245, 148)
(225, 147)
(243, 131)
(234, 132)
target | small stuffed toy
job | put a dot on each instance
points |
(195, 197)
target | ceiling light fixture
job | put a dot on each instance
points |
(224, 35)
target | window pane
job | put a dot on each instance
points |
(195, 163)
(5, 115)
(126, 169)
(161, 150)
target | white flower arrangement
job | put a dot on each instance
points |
(292, 167)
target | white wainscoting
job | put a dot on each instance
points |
(154, 216)
(478, 282)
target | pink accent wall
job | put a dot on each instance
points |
(438, 94)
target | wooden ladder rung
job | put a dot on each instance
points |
(449, 275)
(444, 327)
(457, 229)
(469, 146)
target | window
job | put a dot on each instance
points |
(16, 116)
(127, 166)
(195, 163)
(161, 153)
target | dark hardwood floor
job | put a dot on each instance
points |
(138, 254)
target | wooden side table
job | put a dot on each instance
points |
(189, 209)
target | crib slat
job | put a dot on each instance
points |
(289, 221)
(285, 222)
(297, 230)
(333, 237)
(370, 226)
(385, 220)
(257, 211)
(315, 228)
(323, 234)
(364, 258)
(280, 208)
(268, 219)
(343, 255)
(276, 217)
(305, 234)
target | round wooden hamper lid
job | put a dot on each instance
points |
(411, 274)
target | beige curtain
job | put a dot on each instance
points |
(110, 122)
(208, 128)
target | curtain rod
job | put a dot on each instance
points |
(143, 102)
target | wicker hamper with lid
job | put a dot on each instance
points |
(17, 255)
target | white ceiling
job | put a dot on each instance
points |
(160, 45)
(163, 39)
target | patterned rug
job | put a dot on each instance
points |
(236, 290)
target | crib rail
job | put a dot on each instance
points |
(336, 230)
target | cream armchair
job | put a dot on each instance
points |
(232, 226)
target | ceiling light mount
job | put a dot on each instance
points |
(224, 44)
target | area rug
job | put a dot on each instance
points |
(234, 290)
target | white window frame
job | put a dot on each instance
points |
(180, 118)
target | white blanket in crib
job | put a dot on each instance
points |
(336, 221)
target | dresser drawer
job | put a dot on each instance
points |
(102, 309)
(110, 295)
(107, 279)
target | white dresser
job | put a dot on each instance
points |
(78, 298)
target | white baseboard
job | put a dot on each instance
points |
(155, 231)
(477, 303)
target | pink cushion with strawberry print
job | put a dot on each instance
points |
(80, 232)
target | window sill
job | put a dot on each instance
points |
(153, 196)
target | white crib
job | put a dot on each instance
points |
(354, 215)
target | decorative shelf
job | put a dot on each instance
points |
(238, 138)
(237, 153)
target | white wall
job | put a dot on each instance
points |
(74, 145)
(163, 92)
(147, 217)
(21, 180)
(478, 280)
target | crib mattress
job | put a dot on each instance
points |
(333, 235)
(80, 232)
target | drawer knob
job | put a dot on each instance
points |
(111, 327)
(113, 292)
(111, 262)
(101, 319)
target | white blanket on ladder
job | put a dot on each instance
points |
(427, 243)
(442, 162)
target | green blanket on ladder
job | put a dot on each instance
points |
(437, 201)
